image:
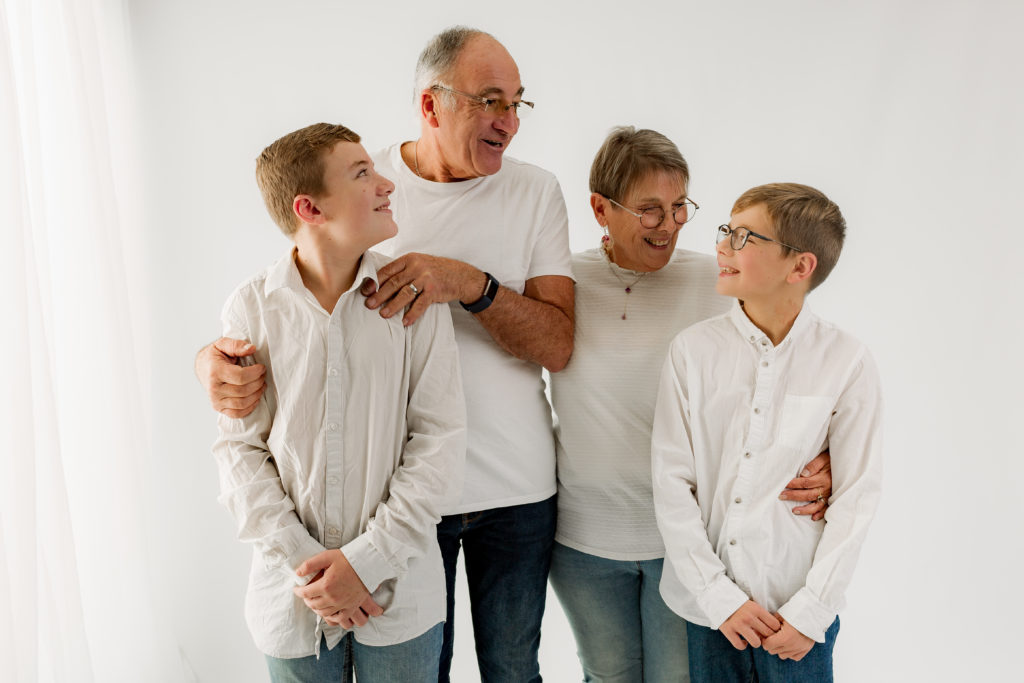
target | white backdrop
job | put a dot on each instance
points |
(908, 114)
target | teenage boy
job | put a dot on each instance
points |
(745, 400)
(339, 476)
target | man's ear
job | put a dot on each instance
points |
(804, 266)
(306, 209)
(429, 104)
(601, 206)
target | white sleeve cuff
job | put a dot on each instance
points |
(368, 562)
(721, 598)
(808, 615)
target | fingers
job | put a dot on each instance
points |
(819, 463)
(390, 282)
(368, 287)
(735, 639)
(234, 347)
(316, 565)
(371, 608)
(230, 378)
(814, 508)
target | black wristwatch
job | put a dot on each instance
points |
(486, 299)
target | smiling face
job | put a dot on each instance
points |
(355, 206)
(633, 246)
(471, 140)
(758, 271)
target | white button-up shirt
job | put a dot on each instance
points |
(736, 419)
(357, 444)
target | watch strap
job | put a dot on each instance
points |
(487, 298)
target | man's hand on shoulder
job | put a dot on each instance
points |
(234, 389)
(418, 280)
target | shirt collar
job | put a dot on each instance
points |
(753, 333)
(285, 274)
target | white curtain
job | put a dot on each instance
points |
(76, 597)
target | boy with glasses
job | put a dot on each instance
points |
(745, 400)
(339, 475)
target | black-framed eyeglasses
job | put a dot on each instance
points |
(738, 237)
(654, 216)
(492, 105)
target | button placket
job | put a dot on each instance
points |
(334, 452)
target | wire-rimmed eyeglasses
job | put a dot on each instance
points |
(738, 237)
(654, 216)
(493, 105)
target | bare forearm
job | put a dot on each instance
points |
(529, 329)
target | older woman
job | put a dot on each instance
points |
(634, 293)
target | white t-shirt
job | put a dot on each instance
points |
(605, 397)
(512, 225)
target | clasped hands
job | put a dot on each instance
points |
(335, 592)
(753, 625)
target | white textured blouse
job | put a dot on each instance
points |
(737, 418)
(604, 398)
(358, 443)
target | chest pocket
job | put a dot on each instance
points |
(804, 421)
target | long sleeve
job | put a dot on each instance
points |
(429, 475)
(250, 483)
(855, 444)
(688, 550)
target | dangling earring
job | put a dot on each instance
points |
(606, 242)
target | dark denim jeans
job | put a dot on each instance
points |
(508, 555)
(713, 659)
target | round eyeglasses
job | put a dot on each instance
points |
(654, 216)
(492, 105)
(738, 237)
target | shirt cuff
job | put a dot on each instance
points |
(293, 552)
(807, 614)
(720, 600)
(368, 562)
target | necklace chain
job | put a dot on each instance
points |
(628, 288)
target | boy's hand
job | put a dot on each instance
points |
(788, 643)
(814, 486)
(751, 624)
(233, 389)
(336, 591)
(368, 609)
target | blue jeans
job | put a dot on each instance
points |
(713, 659)
(508, 554)
(625, 633)
(414, 661)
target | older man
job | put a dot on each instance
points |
(489, 233)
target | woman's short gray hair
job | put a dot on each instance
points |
(438, 58)
(628, 155)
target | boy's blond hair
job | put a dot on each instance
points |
(804, 217)
(294, 165)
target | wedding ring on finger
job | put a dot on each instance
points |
(820, 498)
(415, 289)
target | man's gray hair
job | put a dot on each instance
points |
(438, 58)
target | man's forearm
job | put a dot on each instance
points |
(536, 326)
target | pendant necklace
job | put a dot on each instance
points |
(627, 287)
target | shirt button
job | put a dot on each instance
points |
(332, 480)
(753, 338)
(764, 364)
(332, 530)
(747, 454)
(757, 411)
(732, 542)
(333, 372)
(333, 426)
(739, 500)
